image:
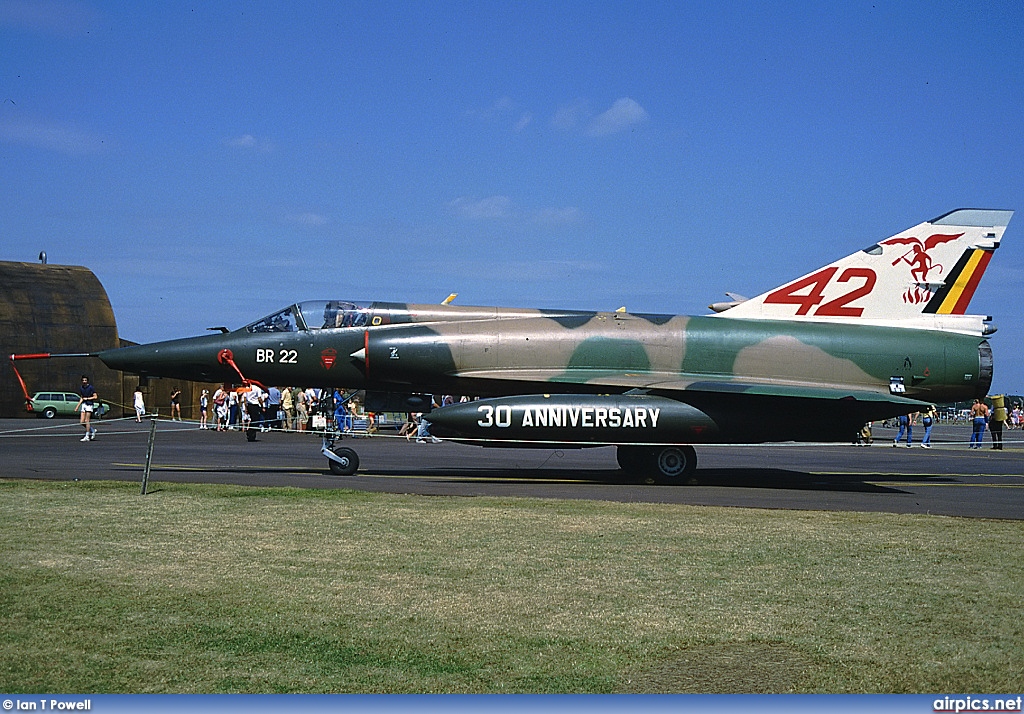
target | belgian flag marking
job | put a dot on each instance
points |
(955, 295)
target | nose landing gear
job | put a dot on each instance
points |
(342, 460)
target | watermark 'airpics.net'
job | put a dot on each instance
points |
(977, 704)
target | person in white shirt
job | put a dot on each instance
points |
(140, 404)
(254, 400)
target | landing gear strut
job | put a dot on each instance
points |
(663, 464)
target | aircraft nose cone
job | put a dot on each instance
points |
(139, 359)
(189, 358)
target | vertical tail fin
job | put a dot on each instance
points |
(930, 269)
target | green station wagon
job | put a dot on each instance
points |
(53, 404)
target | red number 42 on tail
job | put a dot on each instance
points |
(815, 285)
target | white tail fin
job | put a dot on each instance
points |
(913, 278)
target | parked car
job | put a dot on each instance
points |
(53, 404)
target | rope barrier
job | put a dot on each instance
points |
(166, 425)
(70, 426)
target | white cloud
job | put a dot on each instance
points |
(502, 208)
(503, 105)
(623, 114)
(569, 116)
(493, 208)
(500, 107)
(504, 110)
(248, 142)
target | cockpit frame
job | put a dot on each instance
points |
(315, 315)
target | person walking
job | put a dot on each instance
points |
(423, 435)
(906, 422)
(272, 409)
(220, 408)
(288, 405)
(204, 405)
(301, 407)
(928, 420)
(254, 399)
(87, 403)
(409, 427)
(234, 410)
(999, 418)
(979, 417)
(139, 402)
(342, 420)
(175, 404)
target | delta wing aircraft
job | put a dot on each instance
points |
(879, 333)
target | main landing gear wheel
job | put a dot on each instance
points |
(660, 464)
(675, 464)
(347, 463)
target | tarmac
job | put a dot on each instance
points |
(948, 479)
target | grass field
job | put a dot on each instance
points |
(233, 589)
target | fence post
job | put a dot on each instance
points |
(149, 455)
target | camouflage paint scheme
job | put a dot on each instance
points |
(757, 380)
(881, 332)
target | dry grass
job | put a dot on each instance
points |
(211, 588)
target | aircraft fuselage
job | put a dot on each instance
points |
(756, 380)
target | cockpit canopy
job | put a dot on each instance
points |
(314, 315)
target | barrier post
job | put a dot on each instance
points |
(149, 455)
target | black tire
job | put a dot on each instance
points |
(632, 459)
(674, 464)
(660, 464)
(349, 461)
(49, 413)
(637, 462)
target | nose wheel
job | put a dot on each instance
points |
(342, 460)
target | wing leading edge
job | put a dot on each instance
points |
(670, 384)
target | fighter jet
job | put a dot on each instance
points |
(881, 332)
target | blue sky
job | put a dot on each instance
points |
(212, 162)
